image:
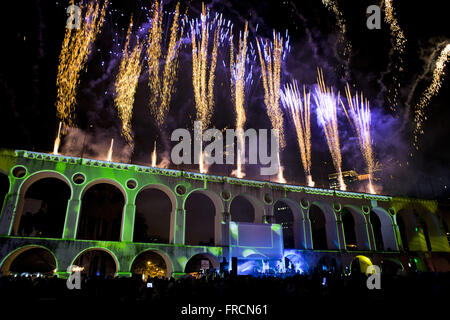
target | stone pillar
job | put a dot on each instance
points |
(178, 224)
(225, 228)
(72, 214)
(340, 232)
(397, 237)
(128, 222)
(370, 233)
(306, 241)
(7, 214)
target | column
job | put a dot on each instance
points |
(306, 241)
(178, 223)
(72, 214)
(7, 214)
(128, 222)
(340, 232)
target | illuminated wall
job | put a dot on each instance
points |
(23, 168)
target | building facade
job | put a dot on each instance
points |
(324, 228)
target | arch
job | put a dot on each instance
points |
(377, 234)
(362, 264)
(330, 224)
(105, 181)
(359, 225)
(213, 211)
(168, 263)
(299, 264)
(23, 188)
(387, 228)
(89, 270)
(391, 266)
(327, 263)
(412, 237)
(44, 209)
(101, 211)
(7, 261)
(169, 193)
(318, 228)
(194, 262)
(154, 210)
(435, 237)
(258, 208)
(295, 237)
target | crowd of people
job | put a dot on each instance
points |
(279, 293)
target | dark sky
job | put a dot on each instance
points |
(32, 33)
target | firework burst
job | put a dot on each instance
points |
(271, 73)
(299, 109)
(202, 80)
(161, 83)
(326, 102)
(398, 47)
(270, 60)
(430, 92)
(346, 47)
(75, 50)
(358, 114)
(126, 84)
(238, 80)
(204, 60)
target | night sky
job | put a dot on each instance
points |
(32, 34)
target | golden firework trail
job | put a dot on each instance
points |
(237, 66)
(110, 151)
(203, 82)
(154, 155)
(57, 140)
(271, 73)
(430, 92)
(398, 47)
(299, 109)
(126, 84)
(153, 57)
(75, 50)
(162, 86)
(326, 103)
(358, 114)
(332, 6)
(170, 66)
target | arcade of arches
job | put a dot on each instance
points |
(101, 215)
(102, 207)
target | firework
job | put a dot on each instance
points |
(332, 6)
(170, 67)
(75, 50)
(358, 114)
(270, 60)
(299, 109)
(153, 57)
(431, 91)
(203, 82)
(57, 140)
(162, 85)
(398, 47)
(110, 151)
(271, 72)
(326, 103)
(238, 79)
(126, 84)
(154, 155)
